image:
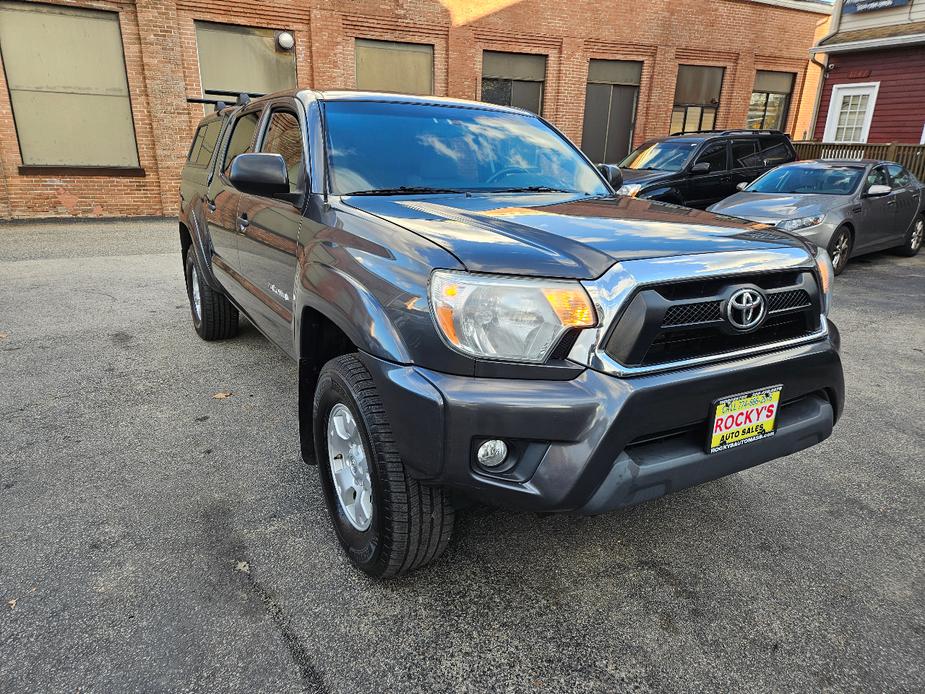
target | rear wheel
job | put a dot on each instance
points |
(914, 238)
(387, 522)
(840, 248)
(214, 316)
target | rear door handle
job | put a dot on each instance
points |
(243, 221)
(211, 205)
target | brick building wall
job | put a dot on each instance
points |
(159, 42)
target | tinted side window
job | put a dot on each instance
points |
(745, 154)
(877, 177)
(197, 143)
(241, 137)
(775, 150)
(284, 137)
(715, 156)
(204, 144)
(900, 177)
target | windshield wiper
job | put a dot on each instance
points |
(404, 190)
(532, 189)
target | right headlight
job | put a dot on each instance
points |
(510, 318)
(826, 273)
(631, 189)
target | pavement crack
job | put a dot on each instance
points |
(312, 682)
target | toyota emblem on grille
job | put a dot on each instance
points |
(746, 309)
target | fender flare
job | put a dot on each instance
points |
(341, 299)
(201, 248)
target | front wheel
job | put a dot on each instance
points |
(914, 238)
(387, 522)
(840, 248)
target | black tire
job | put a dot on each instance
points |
(219, 317)
(914, 238)
(839, 249)
(411, 523)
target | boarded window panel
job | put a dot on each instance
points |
(615, 72)
(514, 66)
(242, 59)
(698, 84)
(69, 90)
(597, 113)
(768, 81)
(527, 95)
(386, 66)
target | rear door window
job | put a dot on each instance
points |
(900, 177)
(242, 137)
(745, 154)
(775, 149)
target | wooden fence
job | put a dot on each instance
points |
(910, 156)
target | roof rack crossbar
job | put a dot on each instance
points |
(733, 131)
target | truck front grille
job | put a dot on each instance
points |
(685, 320)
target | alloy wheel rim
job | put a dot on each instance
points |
(918, 233)
(349, 468)
(197, 297)
(841, 251)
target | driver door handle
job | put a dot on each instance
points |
(210, 204)
(243, 221)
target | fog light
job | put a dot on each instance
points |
(492, 453)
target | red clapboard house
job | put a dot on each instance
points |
(874, 86)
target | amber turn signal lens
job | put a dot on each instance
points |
(572, 306)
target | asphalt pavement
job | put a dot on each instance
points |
(156, 538)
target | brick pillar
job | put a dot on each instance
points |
(660, 98)
(573, 78)
(328, 52)
(463, 63)
(734, 109)
(162, 58)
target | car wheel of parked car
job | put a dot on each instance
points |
(840, 248)
(914, 238)
(387, 522)
(214, 316)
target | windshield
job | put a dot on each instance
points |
(388, 148)
(660, 156)
(809, 179)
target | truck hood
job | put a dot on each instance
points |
(554, 235)
(771, 208)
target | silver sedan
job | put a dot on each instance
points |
(848, 207)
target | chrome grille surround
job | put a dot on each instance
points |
(612, 290)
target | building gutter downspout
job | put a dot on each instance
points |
(833, 29)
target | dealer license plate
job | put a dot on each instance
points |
(744, 418)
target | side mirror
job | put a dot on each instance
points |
(700, 167)
(875, 191)
(613, 175)
(742, 185)
(259, 174)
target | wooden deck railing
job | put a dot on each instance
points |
(910, 156)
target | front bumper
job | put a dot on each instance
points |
(598, 442)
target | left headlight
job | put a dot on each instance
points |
(799, 223)
(826, 278)
(510, 318)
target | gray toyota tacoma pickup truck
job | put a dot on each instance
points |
(476, 315)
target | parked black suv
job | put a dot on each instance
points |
(699, 169)
(476, 314)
